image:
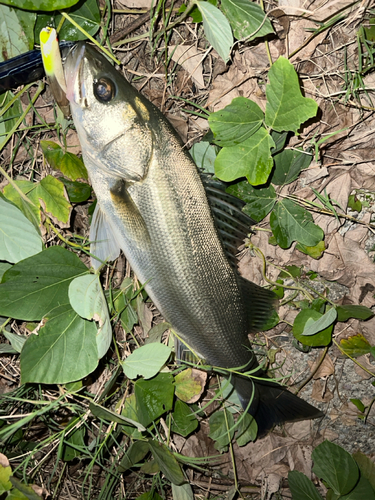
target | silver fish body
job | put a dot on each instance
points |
(151, 204)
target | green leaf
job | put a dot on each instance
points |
(294, 271)
(85, 13)
(22, 491)
(236, 122)
(69, 164)
(363, 490)
(129, 412)
(153, 397)
(5, 484)
(16, 31)
(76, 439)
(9, 118)
(353, 311)
(77, 191)
(314, 326)
(290, 222)
(356, 345)
(133, 455)
(204, 156)
(322, 338)
(280, 141)
(358, 403)
(315, 252)
(146, 361)
(259, 201)
(87, 299)
(110, 416)
(18, 237)
(302, 487)
(42, 5)
(247, 430)
(63, 351)
(51, 192)
(286, 108)
(149, 495)
(366, 466)
(182, 492)
(220, 423)
(187, 385)
(17, 341)
(288, 165)
(30, 210)
(4, 266)
(216, 29)
(335, 465)
(354, 203)
(35, 286)
(167, 462)
(251, 159)
(246, 18)
(184, 422)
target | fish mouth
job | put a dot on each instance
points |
(72, 63)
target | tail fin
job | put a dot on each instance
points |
(272, 404)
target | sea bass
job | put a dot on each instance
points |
(151, 204)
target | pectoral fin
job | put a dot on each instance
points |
(103, 245)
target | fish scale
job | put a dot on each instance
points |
(152, 205)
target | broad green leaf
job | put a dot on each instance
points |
(85, 13)
(128, 318)
(290, 222)
(358, 403)
(288, 165)
(322, 338)
(286, 108)
(216, 29)
(259, 201)
(153, 397)
(366, 466)
(302, 487)
(5, 473)
(133, 455)
(77, 191)
(250, 159)
(149, 495)
(236, 122)
(156, 332)
(68, 163)
(146, 361)
(356, 345)
(4, 266)
(17, 341)
(362, 490)
(7, 349)
(129, 412)
(16, 31)
(247, 430)
(41, 5)
(314, 326)
(76, 439)
(50, 192)
(354, 203)
(220, 423)
(22, 491)
(105, 414)
(182, 492)
(87, 299)
(315, 252)
(188, 385)
(30, 210)
(35, 286)
(184, 422)
(18, 237)
(8, 119)
(204, 155)
(167, 462)
(63, 351)
(294, 271)
(353, 311)
(336, 466)
(246, 18)
(279, 140)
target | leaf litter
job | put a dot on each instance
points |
(345, 165)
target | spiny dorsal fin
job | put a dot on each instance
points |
(232, 224)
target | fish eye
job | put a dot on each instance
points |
(104, 89)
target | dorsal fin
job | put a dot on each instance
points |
(232, 224)
(259, 303)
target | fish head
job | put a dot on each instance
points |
(112, 119)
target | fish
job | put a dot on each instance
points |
(152, 205)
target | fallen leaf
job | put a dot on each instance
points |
(325, 369)
(321, 393)
(190, 58)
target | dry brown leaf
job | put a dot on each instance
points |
(325, 369)
(136, 4)
(364, 361)
(4, 462)
(191, 60)
(179, 124)
(321, 393)
(339, 188)
(200, 377)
